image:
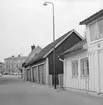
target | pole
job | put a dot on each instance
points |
(54, 48)
(54, 72)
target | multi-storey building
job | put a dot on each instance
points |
(83, 63)
(94, 34)
(13, 64)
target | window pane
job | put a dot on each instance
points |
(87, 66)
(87, 63)
(75, 67)
(83, 71)
(93, 32)
(84, 67)
(87, 71)
(100, 28)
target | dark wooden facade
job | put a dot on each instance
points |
(66, 44)
(39, 72)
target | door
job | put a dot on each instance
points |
(41, 74)
(100, 56)
(34, 74)
(29, 74)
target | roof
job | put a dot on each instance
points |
(12, 57)
(8, 58)
(76, 47)
(49, 48)
(1, 62)
(32, 54)
(92, 17)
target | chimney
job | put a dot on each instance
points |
(12, 55)
(32, 47)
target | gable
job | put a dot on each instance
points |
(49, 48)
(65, 38)
(70, 41)
(66, 44)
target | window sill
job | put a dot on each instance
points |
(74, 76)
(96, 41)
(85, 76)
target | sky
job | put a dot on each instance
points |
(27, 22)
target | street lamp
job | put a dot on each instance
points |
(45, 4)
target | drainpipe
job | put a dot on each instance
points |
(63, 67)
(60, 59)
(98, 73)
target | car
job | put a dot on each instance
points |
(0, 74)
(5, 73)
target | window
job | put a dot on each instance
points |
(75, 68)
(93, 32)
(96, 30)
(84, 66)
(100, 28)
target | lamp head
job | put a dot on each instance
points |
(45, 4)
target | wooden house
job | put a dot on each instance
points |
(41, 66)
(83, 62)
(76, 67)
(26, 68)
(94, 34)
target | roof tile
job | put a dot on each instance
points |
(92, 17)
(75, 47)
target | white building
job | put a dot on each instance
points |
(78, 72)
(13, 64)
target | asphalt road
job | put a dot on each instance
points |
(14, 91)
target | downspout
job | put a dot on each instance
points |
(63, 68)
(98, 72)
(61, 59)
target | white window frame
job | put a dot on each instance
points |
(84, 75)
(75, 74)
(98, 39)
(98, 29)
(95, 23)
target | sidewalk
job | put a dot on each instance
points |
(76, 92)
(14, 91)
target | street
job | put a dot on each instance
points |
(14, 91)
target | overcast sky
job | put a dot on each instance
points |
(27, 22)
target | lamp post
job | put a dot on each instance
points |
(45, 4)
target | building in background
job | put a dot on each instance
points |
(34, 52)
(2, 67)
(13, 64)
